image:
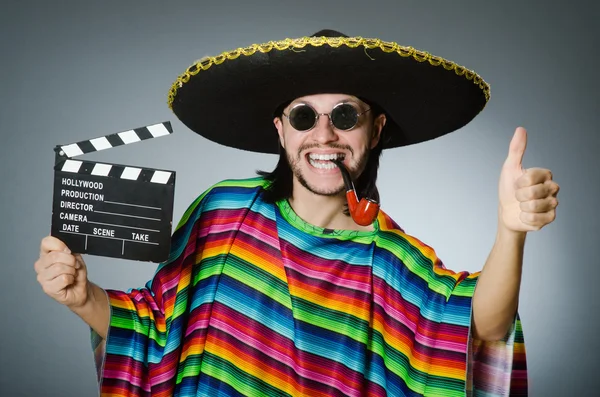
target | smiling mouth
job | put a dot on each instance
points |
(324, 161)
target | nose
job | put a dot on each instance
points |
(324, 132)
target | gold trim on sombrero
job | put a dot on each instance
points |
(352, 42)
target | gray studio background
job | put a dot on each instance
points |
(77, 70)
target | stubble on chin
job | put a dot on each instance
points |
(294, 164)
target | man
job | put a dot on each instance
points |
(276, 285)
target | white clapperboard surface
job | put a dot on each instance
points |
(113, 210)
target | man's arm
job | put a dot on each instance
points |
(527, 202)
(95, 312)
(496, 296)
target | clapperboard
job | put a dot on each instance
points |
(113, 210)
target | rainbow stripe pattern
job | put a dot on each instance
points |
(253, 301)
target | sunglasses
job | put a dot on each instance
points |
(343, 116)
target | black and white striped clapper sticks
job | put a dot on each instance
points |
(113, 210)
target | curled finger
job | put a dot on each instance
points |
(56, 270)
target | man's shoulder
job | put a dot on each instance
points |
(255, 183)
(396, 240)
(236, 188)
(397, 237)
(387, 225)
(226, 194)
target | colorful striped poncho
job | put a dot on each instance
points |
(253, 301)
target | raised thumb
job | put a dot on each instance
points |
(516, 149)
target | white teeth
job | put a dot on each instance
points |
(332, 156)
(323, 161)
(326, 166)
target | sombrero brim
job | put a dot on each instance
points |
(230, 99)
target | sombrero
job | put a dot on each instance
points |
(231, 98)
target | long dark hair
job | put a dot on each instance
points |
(280, 186)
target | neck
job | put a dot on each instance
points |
(322, 211)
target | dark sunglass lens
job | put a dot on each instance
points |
(302, 118)
(344, 117)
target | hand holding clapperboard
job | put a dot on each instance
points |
(113, 210)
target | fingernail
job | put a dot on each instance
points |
(67, 250)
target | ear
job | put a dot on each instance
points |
(279, 125)
(378, 125)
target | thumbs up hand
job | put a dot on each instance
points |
(527, 197)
